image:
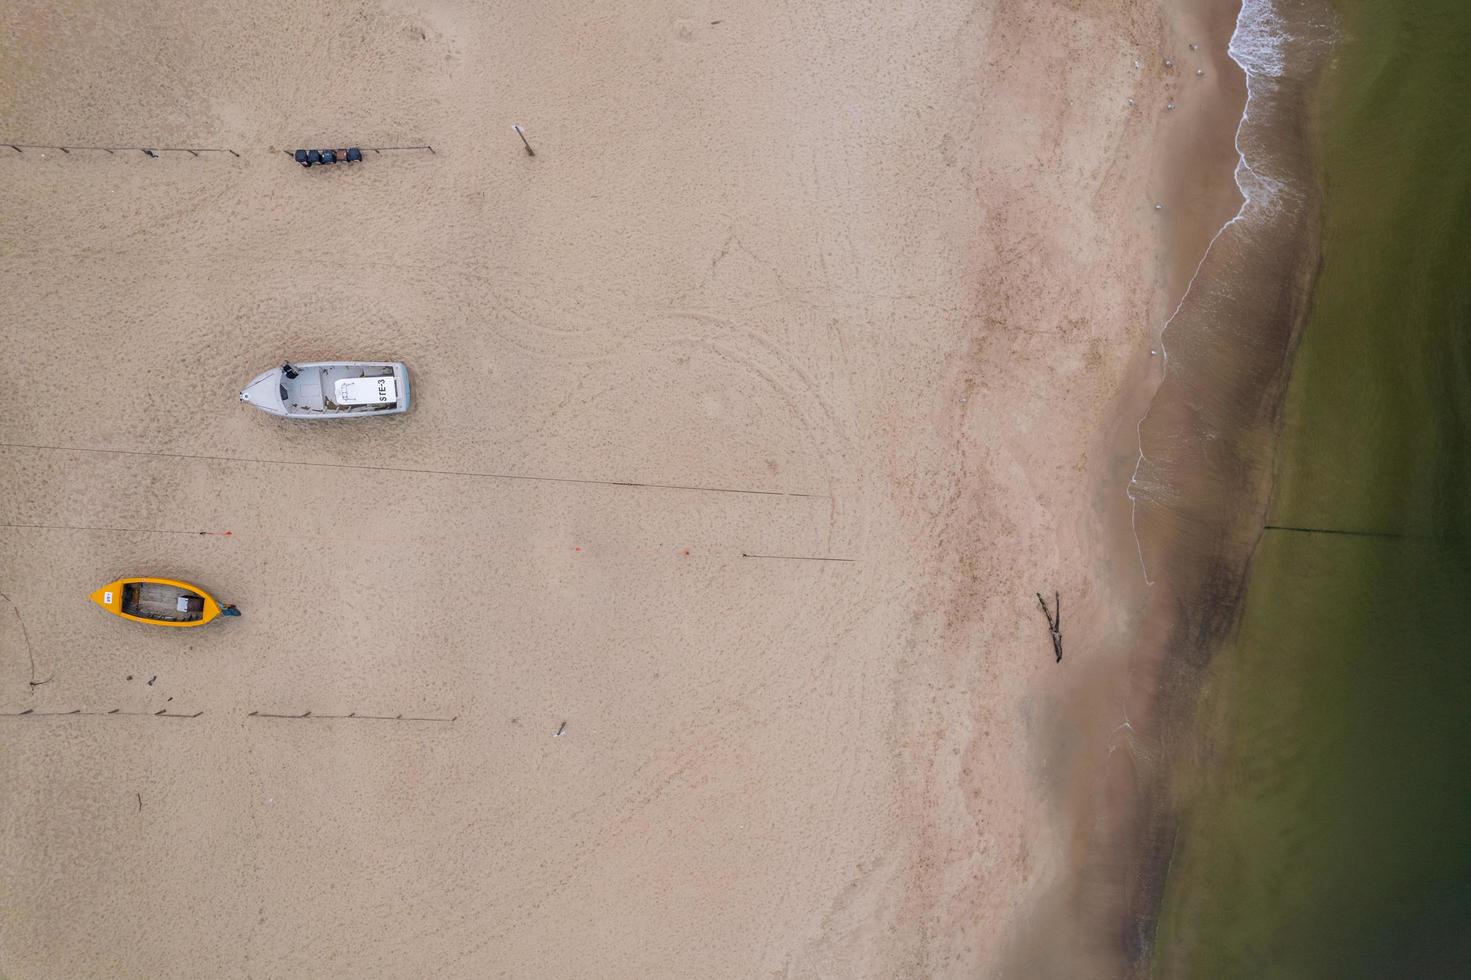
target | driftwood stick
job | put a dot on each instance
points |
(1054, 621)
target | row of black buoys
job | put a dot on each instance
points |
(308, 158)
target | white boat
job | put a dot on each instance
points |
(331, 390)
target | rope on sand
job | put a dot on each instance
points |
(150, 151)
(351, 716)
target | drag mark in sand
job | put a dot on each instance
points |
(25, 635)
(576, 552)
(420, 471)
(117, 530)
(296, 536)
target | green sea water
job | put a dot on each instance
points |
(1326, 806)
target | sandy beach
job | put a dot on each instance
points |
(751, 413)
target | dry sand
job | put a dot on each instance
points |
(859, 282)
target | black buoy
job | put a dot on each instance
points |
(301, 158)
(313, 156)
(329, 156)
(354, 155)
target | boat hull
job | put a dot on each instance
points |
(111, 597)
(309, 393)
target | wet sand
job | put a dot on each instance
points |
(1199, 491)
(818, 284)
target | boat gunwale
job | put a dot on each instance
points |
(399, 372)
(212, 606)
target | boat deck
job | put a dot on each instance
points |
(311, 391)
(152, 600)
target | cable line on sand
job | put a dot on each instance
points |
(421, 471)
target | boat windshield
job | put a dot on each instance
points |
(284, 396)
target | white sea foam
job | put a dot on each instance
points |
(1259, 42)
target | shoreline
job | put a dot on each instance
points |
(1206, 515)
(1201, 461)
(1106, 707)
(1196, 167)
(1203, 517)
(1068, 919)
(1289, 757)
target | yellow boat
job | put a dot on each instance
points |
(159, 601)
